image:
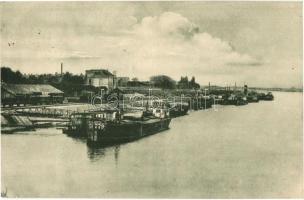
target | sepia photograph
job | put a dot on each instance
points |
(152, 99)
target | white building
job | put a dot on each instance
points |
(100, 78)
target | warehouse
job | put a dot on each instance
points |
(23, 94)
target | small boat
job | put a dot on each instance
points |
(218, 99)
(177, 109)
(237, 99)
(241, 100)
(124, 129)
(77, 125)
(266, 97)
(252, 97)
(269, 96)
(206, 102)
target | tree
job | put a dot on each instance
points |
(67, 83)
(183, 83)
(163, 81)
(193, 84)
(10, 76)
(69, 78)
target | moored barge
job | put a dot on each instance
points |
(178, 109)
(123, 129)
(266, 97)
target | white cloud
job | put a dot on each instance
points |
(171, 44)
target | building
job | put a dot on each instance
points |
(30, 94)
(100, 78)
(122, 81)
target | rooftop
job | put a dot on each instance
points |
(30, 89)
(103, 72)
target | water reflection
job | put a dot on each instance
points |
(116, 154)
(78, 139)
(96, 153)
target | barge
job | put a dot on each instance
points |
(236, 99)
(178, 109)
(123, 129)
(266, 97)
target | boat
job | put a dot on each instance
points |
(237, 99)
(120, 129)
(252, 97)
(206, 102)
(218, 99)
(177, 109)
(78, 122)
(77, 125)
(269, 96)
(266, 97)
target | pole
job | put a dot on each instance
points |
(234, 86)
(101, 96)
(181, 101)
(205, 98)
(149, 96)
(61, 69)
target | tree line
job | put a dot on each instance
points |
(16, 77)
(68, 80)
(166, 82)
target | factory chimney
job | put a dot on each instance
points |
(61, 68)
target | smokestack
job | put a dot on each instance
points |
(114, 79)
(61, 69)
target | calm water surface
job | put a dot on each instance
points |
(248, 151)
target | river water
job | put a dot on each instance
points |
(252, 151)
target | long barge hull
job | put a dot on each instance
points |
(114, 133)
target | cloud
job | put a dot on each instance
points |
(171, 44)
(168, 24)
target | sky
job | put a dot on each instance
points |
(256, 43)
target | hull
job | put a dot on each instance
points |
(202, 104)
(77, 127)
(268, 98)
(252, 99)
(113, 133)
(177, 113)
(79, 132)
(178, 109)
(235, 102)
(241, 103)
